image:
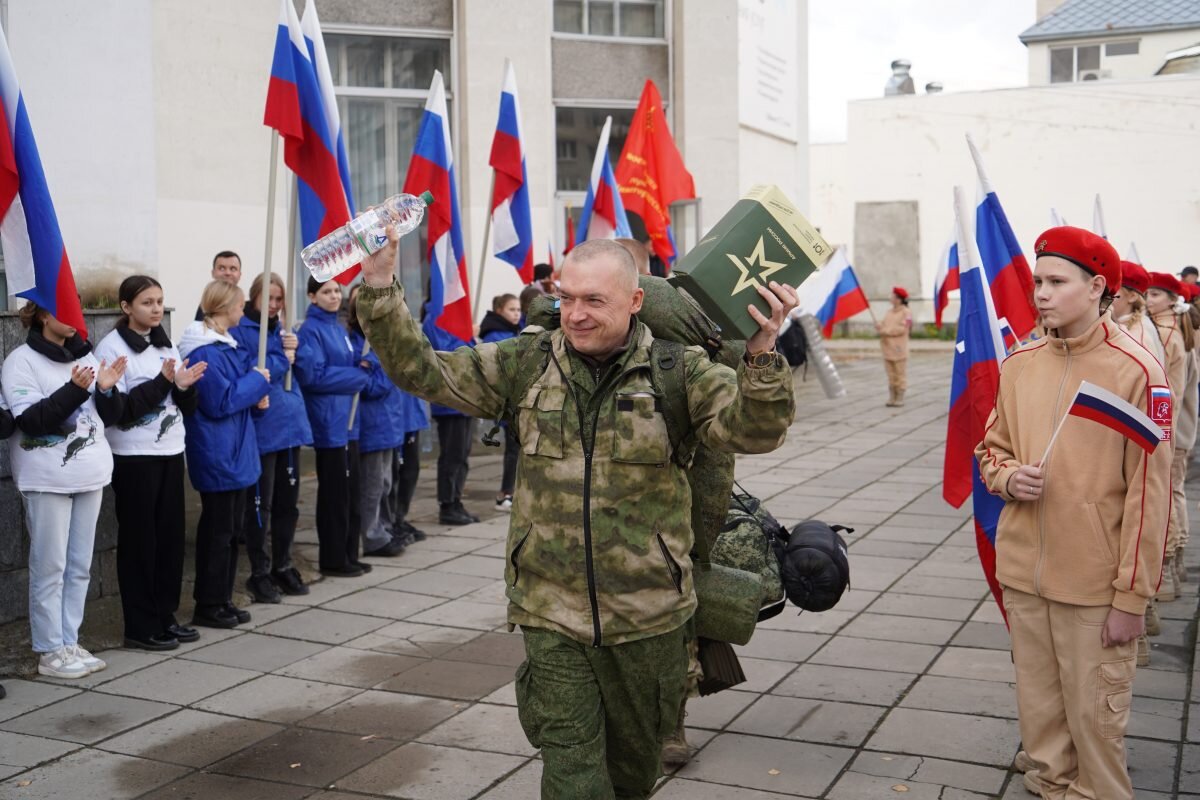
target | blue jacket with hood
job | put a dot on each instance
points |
(330, 376)
(284, 424)
(221, 448)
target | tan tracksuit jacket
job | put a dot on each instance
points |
(1096, 535)
(1145, 333)
(1167, 323)
(893, 333)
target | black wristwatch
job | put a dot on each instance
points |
(760, 360)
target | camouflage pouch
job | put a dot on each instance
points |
(727, 602)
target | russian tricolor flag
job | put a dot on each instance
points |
(1100, 405)
(432, 169)
(512, 223)
(35, 258)
(1004, 264)
(603, 215)
(979, 350)
(946, 280)
(297, 109)
(310, 26)
(837, 293)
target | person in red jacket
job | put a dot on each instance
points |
(1080, 541)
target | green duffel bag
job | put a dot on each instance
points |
(728, 601)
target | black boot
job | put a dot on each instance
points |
(454, 514)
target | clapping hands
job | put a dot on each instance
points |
(109, 374)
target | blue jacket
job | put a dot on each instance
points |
(221, 449)
(441, 340)
(285, 424)
(382, 407)
(330, 376)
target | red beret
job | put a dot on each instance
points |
(1166, 281)
(1084, 249)
(900, 292)
(1135, 277)
(1192, 289)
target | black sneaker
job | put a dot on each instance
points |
(183, 633)
(263, 589)
(348, 571)
(392, 549)
(159, 641)
(289, 582)
(241, 615)
(452, 514)
(218, 617)
(408, 529)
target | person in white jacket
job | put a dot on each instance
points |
(62, 399)
(147, 443)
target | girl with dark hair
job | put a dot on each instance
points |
(147, 444)
(281, 431)
(63, 397)
(331, 375)
(222, 452)
(893, 339)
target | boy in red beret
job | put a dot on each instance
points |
(1177, 336)
(893, 340)
(1079, 543)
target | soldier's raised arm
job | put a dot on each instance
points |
(470, 380)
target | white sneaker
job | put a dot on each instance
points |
(61, 663)
(504, 504)
(88, 660)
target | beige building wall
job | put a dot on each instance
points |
(1055, 146)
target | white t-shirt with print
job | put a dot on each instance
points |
(159, 432)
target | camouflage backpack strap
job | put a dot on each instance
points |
(667, 375)
(533, 356)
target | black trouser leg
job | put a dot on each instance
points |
(258, 515)
(216, 554)
(149, 509)
(404, 484)
(284, 512)
(454, 438)
(353, 514)
(512, 449)
(333, 506)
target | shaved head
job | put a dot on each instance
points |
(618, 259)
(598, 294)
(639, 253)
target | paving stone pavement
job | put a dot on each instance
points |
(399, 683)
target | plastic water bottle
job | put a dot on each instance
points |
(365, 234)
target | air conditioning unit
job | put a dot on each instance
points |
(1094, 74)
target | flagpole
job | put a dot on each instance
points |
(291, 262)
(262, 316)
(1061, 422)
(483, 251)
(354, 403)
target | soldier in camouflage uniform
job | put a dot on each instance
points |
(597, 564)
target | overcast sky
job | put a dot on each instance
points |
(852, 43)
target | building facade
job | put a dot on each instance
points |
(149, 120)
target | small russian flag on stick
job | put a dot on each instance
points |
(1100, 405)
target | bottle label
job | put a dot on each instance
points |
(369, 236)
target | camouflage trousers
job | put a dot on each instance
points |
(599, 714)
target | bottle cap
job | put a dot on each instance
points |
(427, 197)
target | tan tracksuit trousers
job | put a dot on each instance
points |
(1177, 535)
(1073, 697)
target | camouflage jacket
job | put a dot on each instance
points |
(600, 532)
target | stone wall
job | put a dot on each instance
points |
(102, 620)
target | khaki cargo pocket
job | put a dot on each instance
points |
(1114, 694)
(1100, 542)
(673, 568)
(640, 430)
(540, 421)
(526, 712)
(514, 558)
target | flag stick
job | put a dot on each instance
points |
(291, 262)
(262, 328)
(354, 403)
(483, 251)
(1061, 422)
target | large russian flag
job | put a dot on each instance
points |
(1007, 271)
(35, 258)
(432, 169)
(603, 215)
(979, 350)
(296, 109)
(512, 223)
(946, 280)
(310, 26)
(836, 294)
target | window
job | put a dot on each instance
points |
(577, 134)
(1082, 62)
(638, 19)
(382, 82)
